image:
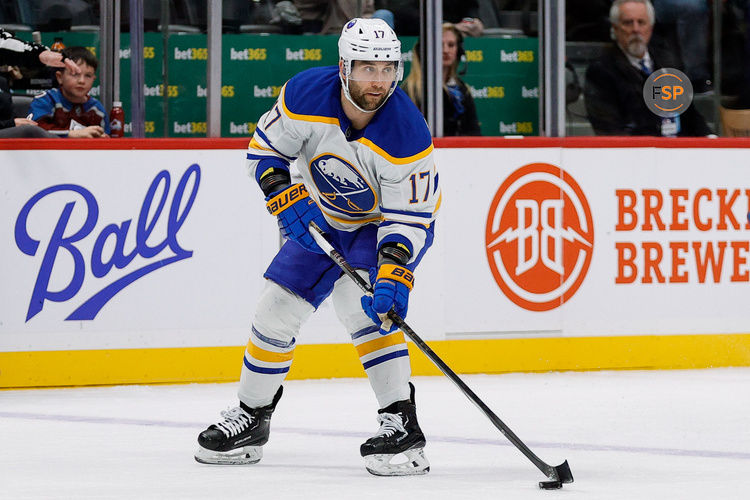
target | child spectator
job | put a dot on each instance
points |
(69, 111)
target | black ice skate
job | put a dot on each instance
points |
(399, 433)
(239, 438)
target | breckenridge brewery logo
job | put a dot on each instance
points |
(539, 237)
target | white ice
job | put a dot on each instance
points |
(627, 435)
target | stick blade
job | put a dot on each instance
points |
(563, 473)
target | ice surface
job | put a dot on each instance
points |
(627, 435)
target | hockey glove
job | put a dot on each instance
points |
(391, 288)
(294, 210)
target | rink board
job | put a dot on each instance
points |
(141, 261)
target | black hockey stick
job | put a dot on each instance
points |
(557, 475)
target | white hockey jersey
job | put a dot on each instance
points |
(383, 174)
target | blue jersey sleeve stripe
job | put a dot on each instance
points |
(265, 139)
(426, 215)
(384, 358)
(251, 156)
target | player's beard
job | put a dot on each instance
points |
(359, 96)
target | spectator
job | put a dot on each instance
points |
(70, 111)
(464, 14)
(691, 21)
(328, 18)
(614, 82)
(459, 111)
(10, 126)
(16, 52)
(404, 13)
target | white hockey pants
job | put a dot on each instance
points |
(278, 318)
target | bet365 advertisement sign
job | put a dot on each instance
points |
(502, 75)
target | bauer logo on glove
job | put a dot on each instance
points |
(286, 198)
(396, 273)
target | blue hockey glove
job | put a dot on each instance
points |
(295, 209)
(390, 291)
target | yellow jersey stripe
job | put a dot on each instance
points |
(307, 118)
(268, 356)
(256, 145)
(399, 161)
(347, 221)
(371, 346)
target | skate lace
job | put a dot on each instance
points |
(390, 423)
(235, 421)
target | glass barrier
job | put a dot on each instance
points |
(260, 52)
(605, 79)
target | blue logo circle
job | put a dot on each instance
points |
(342, 188)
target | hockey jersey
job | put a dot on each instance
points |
(53, 112)
(383, 174)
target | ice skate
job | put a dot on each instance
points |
(239, 438)
(397, 449)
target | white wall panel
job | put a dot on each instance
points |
(208, 298)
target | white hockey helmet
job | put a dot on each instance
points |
(369, 40)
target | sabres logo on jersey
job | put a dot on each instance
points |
(342, 188)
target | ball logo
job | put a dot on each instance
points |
(539, 237)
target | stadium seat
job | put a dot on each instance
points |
(21, 104)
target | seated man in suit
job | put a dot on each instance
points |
(614, 82)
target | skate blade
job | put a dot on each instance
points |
(415, 463)
(241, 456)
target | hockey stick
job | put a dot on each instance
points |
(557, 474)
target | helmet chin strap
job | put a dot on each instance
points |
(345, 86)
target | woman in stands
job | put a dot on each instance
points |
(459, 112)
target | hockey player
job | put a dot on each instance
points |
(364, 153)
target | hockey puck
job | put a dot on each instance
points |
(550, 485)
